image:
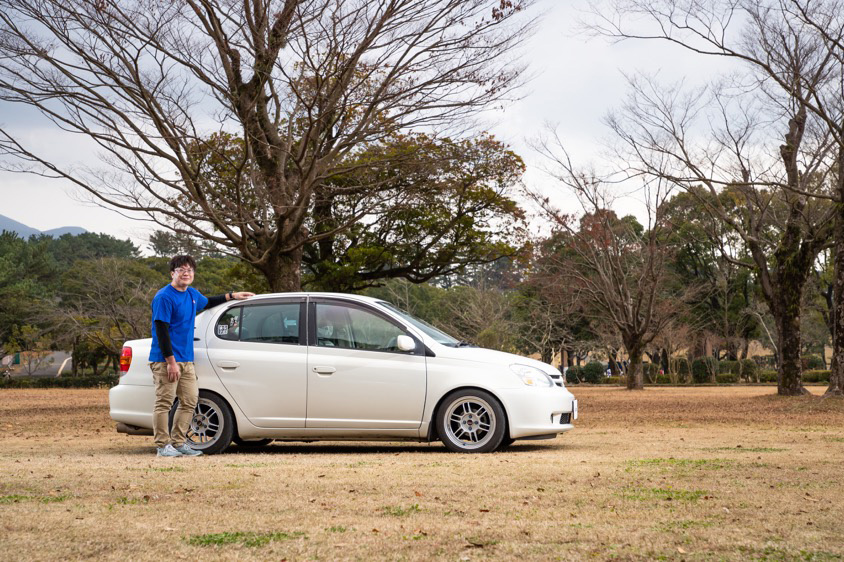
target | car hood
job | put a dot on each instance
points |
(492, 357)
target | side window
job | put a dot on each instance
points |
(354, 328)
(228, 325)
(270, 323)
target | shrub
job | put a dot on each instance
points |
(574, 374)
(60, 382)
(812, 362)
(594, 372)
(817, 375)
(683, 368)
(731, 367)
(704, 369)
(611, 380)
(726, 378)
(749, 369)
(663, 379)
(768, 376)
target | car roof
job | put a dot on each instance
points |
(301, 294)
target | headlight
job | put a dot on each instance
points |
(531, 376)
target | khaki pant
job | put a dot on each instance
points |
(165, 392)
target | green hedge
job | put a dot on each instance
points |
(729, 367)
(817, 375)
(726, 378)
(812, 363)
(105, 381)
(768, 376)
(611, 380)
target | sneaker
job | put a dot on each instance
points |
(169, 451)
(186, 450)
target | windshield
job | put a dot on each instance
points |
(437, 335)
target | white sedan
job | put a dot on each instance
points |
(324, 366)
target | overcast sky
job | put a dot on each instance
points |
(576, 80)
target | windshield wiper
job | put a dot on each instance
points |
(463, 343)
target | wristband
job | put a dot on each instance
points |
(231, 295)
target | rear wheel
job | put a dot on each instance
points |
(471, 421)
(212, 425)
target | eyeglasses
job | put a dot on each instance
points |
(183, 270)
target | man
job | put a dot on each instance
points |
(174, 310)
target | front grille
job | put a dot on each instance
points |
(565, 419)
(558, 379)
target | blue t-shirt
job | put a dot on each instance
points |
(178, 309)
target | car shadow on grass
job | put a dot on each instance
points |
(362, 448)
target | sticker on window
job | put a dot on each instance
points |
(222, 329)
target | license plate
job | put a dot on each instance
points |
(574, 409)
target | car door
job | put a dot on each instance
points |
(258, 350)
(357, 377)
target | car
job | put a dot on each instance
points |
(330, 366)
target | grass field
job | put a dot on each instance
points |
(732, 473)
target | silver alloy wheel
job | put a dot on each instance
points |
(207, 424)
(470, 422)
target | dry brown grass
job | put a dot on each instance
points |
(705, 473)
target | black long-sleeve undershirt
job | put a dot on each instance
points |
(162, 328)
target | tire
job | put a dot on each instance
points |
(506, 442)
(254, 444)
(471, 421)
(212, 426)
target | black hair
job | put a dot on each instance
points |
(181, 261)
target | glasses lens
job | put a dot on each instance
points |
(183, 270)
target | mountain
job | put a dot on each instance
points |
(72, 230)
(26, 231)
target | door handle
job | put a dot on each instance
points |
(324, 370)
(228, 364)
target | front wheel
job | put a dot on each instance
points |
(212, 425)
(251, 444)
(471, 421)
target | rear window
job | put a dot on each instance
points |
(270, 323)
(264, 323)
(228, 325)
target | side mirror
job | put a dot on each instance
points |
(405, 343)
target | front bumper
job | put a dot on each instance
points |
(534, 411)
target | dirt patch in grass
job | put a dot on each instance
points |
(695, 474)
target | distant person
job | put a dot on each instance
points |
(174, 310)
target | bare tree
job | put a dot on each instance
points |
(794, 46)
(794, 75)
(617, 267)
(221, 119)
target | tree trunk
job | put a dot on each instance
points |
(789, 368)
(74, 353)
(612, 355)
(283, 272)
(836, 375)
(635, 376)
